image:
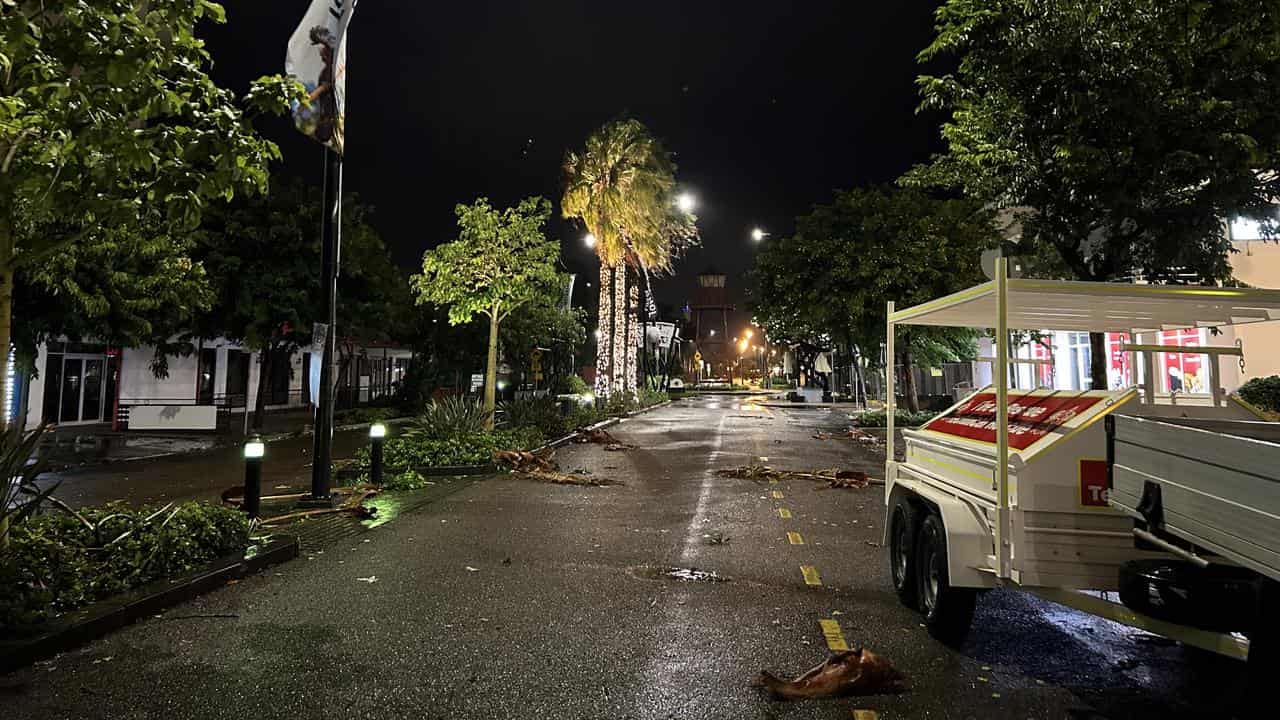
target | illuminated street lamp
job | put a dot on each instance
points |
(377, 434)
(589, 240)
(686, 202)
(254, 449)
(757, 234)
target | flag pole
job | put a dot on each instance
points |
(330, 253)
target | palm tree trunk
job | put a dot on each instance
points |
(604, 326)
(6, 306)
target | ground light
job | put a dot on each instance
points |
(254, 450)
(377, 434)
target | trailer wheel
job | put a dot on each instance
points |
(948, 611)
(903, 526)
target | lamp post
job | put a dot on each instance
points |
(254, 449)
(377, 434)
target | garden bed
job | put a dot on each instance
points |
(20, 647)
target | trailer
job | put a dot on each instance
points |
(1171, 503)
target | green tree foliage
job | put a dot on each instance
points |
(831, 280)
(499, 262)
(622, 186)
(1127, 131)
(111, 130)
(544, 323)
(262, 257)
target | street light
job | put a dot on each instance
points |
(254, 449)
(686, 202)
(589, 240)
(377, 434)
(757, 234)
(750, 332)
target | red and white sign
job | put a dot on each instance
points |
(1031, 417)
(1093, 483)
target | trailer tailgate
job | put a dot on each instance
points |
(1217, 490)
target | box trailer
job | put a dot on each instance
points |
(1175, 505)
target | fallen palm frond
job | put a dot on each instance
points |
(861, 436)
(543, 468)
(602, 437)
(353, 504)
(834, 478)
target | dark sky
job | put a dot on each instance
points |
(768, 106)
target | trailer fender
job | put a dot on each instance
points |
(969, 539)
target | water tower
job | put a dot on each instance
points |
(709, 313)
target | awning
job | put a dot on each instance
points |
(1096, 307)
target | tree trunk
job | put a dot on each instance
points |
(491, 371)
(6, 307)
(1098, 360)
(604, 326)
(909, 390)
(264, 375)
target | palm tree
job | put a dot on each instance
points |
(622, 187)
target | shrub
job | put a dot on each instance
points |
(449, 418)
(571, 385)
(582, 416)
(901, 418)
(55, 562)
(1263, 393)
(358, 416)
(407, 452)
(650, 396)
(620, 403)
(541, 413)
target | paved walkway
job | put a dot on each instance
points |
(514, 599)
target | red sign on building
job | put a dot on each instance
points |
(1031, 417)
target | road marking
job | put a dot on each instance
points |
(795, 538)
(866, 715)
(784, 513)
(777, 494)
(810, 575)
(833, 634)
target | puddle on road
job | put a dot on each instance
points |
(656, 572)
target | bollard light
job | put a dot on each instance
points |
(377, 433)
(254, 450)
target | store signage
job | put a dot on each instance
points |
(1031, 417)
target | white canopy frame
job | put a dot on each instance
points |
(1004, 303)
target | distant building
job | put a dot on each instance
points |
(83, 383)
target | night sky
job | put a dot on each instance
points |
(768, 106)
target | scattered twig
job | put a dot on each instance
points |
(834, 478)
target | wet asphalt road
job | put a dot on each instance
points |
(512, 599)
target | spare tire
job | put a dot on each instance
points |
(1220, 598)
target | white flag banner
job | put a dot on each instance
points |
(317, 57)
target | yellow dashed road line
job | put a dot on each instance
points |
(784, 513)
(810, 575)
(777, 494)
(794, 538)
(834, 636)
(866, 715)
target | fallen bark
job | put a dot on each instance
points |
(834, 478)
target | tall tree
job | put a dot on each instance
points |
(1127, 131)
(544, 323)
(262, 257)
(499, 262)
(834, 276)
(109, 120)
(622, 186)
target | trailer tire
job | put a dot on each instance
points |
(904, 524)
(948, 611)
